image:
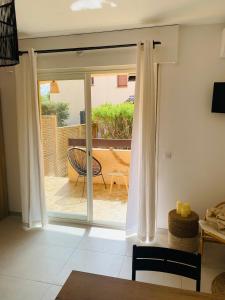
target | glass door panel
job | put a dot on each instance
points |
(63, 133)
(112, 100)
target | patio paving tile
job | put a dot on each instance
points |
(66, 197)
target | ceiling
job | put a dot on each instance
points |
(54, 17)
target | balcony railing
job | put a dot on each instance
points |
(102, 143)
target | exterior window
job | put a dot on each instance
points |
(122, 81)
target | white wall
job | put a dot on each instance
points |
(167, 52)
(194, 136)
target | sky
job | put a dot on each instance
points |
(44, 89)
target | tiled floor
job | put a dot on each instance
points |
(34, 264)
(66, 197)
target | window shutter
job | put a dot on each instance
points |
(122, 81)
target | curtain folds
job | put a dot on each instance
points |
(29, 138)
(141, 214)
(4, 207)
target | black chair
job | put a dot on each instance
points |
(168, 261)
(78, 160)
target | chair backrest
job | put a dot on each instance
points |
(168, 261)
(78, 160)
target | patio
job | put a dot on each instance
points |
(63, 196)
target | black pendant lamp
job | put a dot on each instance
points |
(9, 54)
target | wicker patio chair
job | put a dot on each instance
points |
(78, 160)
(210, 233)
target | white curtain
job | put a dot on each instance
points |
(29, 139)
(141, 212)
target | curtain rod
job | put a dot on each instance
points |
(86, 48)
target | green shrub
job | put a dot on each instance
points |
(45, 98)
(60, 109)
(114, 120)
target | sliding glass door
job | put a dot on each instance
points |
(86, 130)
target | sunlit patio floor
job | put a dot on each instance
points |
(65, 197)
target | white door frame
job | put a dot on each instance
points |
(87, 93)
(65, 75)
(84, 74)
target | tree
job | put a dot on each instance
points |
(60, 109)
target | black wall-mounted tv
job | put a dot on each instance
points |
(218, 101)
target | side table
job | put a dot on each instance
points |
(183, 231)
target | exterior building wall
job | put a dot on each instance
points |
(105, 90)
(71, 92)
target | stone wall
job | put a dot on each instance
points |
(49, 136)
(55, 144)
(63, 134)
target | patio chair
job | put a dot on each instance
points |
(78, 160)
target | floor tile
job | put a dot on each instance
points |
(60, 235)
(34, 262)
(35, 250)
(106, 240)
(214, 256)
(18, 289)
(92, 262)
(63, 196)
(126, 268)
(207, 276)
(52, 292)
(188, 284)
(149, 277)
(40, 268)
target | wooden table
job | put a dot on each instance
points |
(85, 286)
